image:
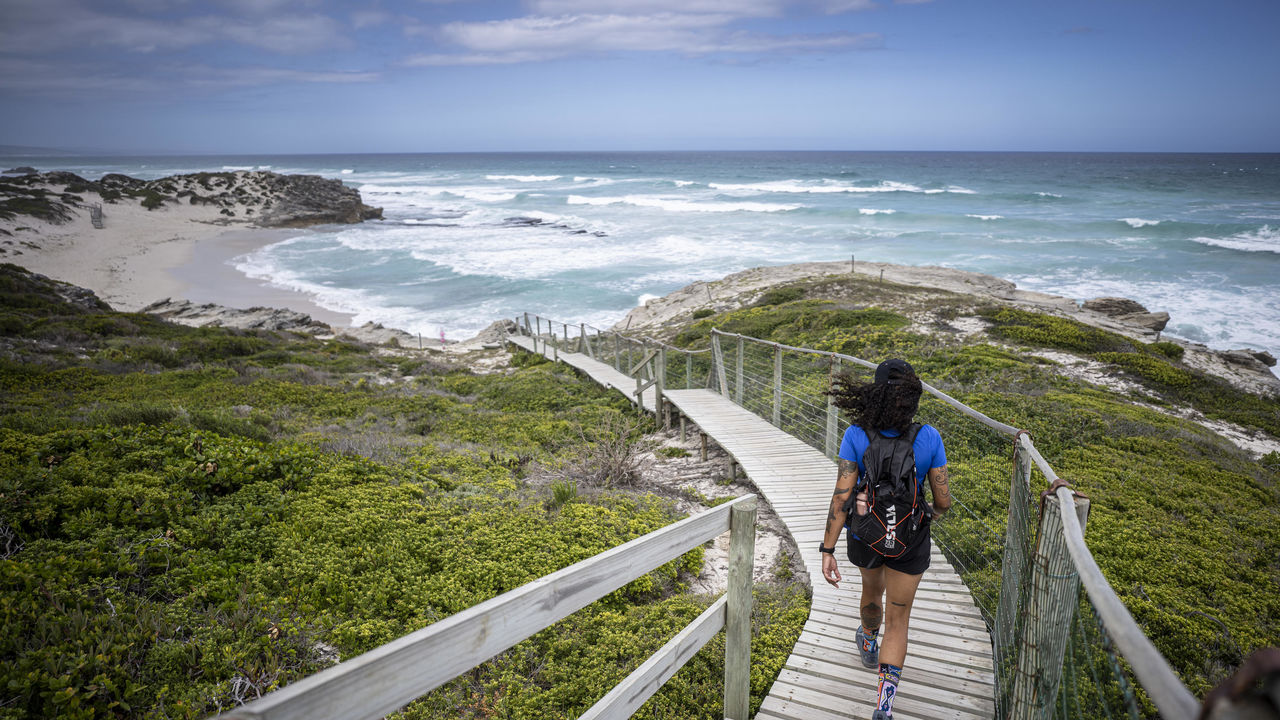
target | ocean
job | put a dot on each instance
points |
(583, 237)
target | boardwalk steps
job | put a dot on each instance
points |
(948, 672)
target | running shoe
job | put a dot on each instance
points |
(881, 715)
(870, 658)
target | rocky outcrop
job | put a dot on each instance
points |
(78, 297)
(186, 312)
(191, 314)
(265, 199)
(21, 170)
(1128, 311)
(1249, 358)
(303, 200)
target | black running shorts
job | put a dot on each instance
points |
(913, 562)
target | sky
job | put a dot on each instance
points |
(321, 76)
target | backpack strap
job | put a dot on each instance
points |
(913, 431)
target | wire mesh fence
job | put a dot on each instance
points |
(1052, 657)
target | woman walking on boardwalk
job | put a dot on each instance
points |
(888, 537)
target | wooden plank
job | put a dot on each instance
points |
(627, 696)
(386, 678)
(974, 656)
(807, 654)
(919, 685)
(917, 669)
(817, 693)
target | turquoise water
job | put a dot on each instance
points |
(584, 237)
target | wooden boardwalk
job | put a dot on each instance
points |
(948, 673)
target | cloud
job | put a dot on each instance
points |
(369, 18)
(23, 75)
(286, 34)
(250, 76)
(536, 38)
(33, 27)
(739, 8)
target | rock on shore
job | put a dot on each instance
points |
(186, 312)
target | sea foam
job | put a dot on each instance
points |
(1264, 239)
(1139, 222)
(523, 178)
(875, 211)
(679, 205)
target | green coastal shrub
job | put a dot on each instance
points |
(781, 295)
(1149, 368)
(1171, 350)
(703, 313)
(1034, 328)
(152, 200)
(791, 322)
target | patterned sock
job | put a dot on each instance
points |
(869, 638)
(889, 675)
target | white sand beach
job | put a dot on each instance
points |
(141, 256)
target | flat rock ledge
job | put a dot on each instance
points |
(191, 314)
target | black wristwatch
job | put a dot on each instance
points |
(825, 549)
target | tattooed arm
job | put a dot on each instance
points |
(938, 483)
(836, 515)
(845, 480)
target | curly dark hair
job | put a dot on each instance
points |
(873, 406)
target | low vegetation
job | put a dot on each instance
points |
(191, 518)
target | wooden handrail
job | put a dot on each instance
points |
(388, 677)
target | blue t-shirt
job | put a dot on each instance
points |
(928, 449)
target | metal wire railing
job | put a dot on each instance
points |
(1063, 644)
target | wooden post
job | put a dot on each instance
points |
(717, 361)
(737, 627)
(1055, 593)
(777, 386)
(832, 441)
(566, 335)
(683, 422)
(732, 468)
(586, 346)
(704, 446)
(660, 373)
(688, 371)
(617, 354)
(737, 374)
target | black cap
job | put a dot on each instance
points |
(892, 371)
